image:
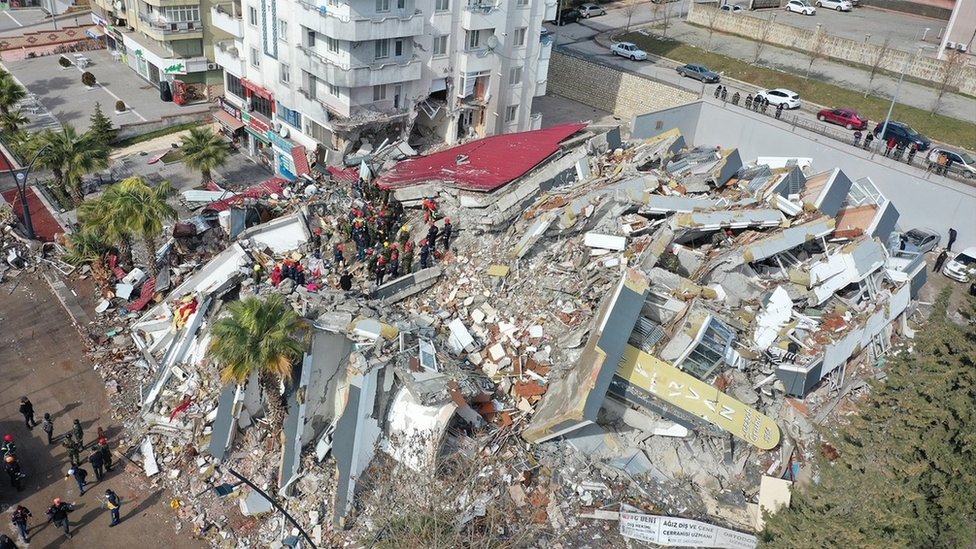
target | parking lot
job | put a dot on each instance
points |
(61, 92)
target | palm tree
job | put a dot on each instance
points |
(266, 337)
(205, 151)
(11, 92)
(12, 121)
(128, 209)
(70, 157)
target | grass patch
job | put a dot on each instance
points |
(938, 127)
(153, 135)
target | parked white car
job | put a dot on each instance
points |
(962, 266)
(839, 5)
(800, 6)
(788, 98)
(628, 50)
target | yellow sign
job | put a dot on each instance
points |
(673, 386)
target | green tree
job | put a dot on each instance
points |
(11, 92)
(83, 248)
(100, 127)
(205, 151)
(12, 121)
(904, 474)
(262, 336)
(131, 208)
(71, 156)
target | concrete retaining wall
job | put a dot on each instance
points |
(126, 131)
(608, 88)
(924, 68)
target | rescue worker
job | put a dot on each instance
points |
(446, 233)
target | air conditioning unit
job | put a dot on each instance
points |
(213, 67)
(276, 125)
(951, 45)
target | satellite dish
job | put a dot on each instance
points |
(283, 132)
(492, 42)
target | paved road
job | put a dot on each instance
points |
(592, 36)
(17, 22)
(41, 357)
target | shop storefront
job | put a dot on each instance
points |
(230, 120)
(113, 37)
(258, 144)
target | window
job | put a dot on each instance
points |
(521, 3)
(282, 30)
(520, 36)
(288, 116)
(261, 105)
(310, 38)
(234, 86)
(511, 112)
(332, 44)
(401, 4)
(382, 49)
(515, 76)
(474, 40)
(333, 90)
(397, 48)
(252, 15)
(382, 5)
(180, 14)
(255, 57)
(442, 5)
(284, 73)
(440, 45)
(379, 92)
(318, 132)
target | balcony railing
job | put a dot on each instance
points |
(357, 76)
(355, 28)
(166, 27)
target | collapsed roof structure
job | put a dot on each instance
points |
(604, 288)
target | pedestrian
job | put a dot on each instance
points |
(765, 105)
(58, 514)
(890, 145)
(27, 409)
(380, 271)
(424, 254)
(940, 260)
(73, 448)
(9, 446)
(779, 110)
(80, 475)
(345, 281)
(432, 233)
(446, 232)
(857, 138)
(47, 425)
(106, 453)
(725, 92)
(749, 101)
(114, 503)
(718, 91)
(403, 235)
(338, 257)
(735, 98)
(78, 433)
(12, 467)
(912, 151)
(868, 140)
(97, 462)
(407, 263)
(948, 164)
(21, 519)
(952, 238)
(6, 542)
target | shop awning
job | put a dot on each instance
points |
(228, 120)
(95, 31)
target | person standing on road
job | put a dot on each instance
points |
(79, 434)
(80, 475)
(12, 467)
(58, 514)
(47, 425)
(73, 448)
(21, 518)
(114, 503)
(106, 452)
(952, 238)
(940, 260)
(27, 409)
(9, 446)
(6, 542)
(97, 462)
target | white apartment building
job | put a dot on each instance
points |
(315, 75)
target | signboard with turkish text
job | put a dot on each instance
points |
(673, 386)
(256, 124)
(229, 108)
(679, 532)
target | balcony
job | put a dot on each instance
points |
(358, 76)
(360, 29)
(316, 109)
(168, 3)
(227, 17)
(163, 30)
(227, 56)
(483, 15)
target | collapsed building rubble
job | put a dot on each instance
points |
(642, 326)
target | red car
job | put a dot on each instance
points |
(843, 117)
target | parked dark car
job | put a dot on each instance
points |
(903, 134)
(566, 17)
(698, 72)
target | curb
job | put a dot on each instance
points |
(79, 318)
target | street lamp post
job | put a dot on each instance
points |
(227, 488)
(20, 180)
(894, 99)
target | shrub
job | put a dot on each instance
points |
(64, 62)
(88, 79)
(120, 106)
